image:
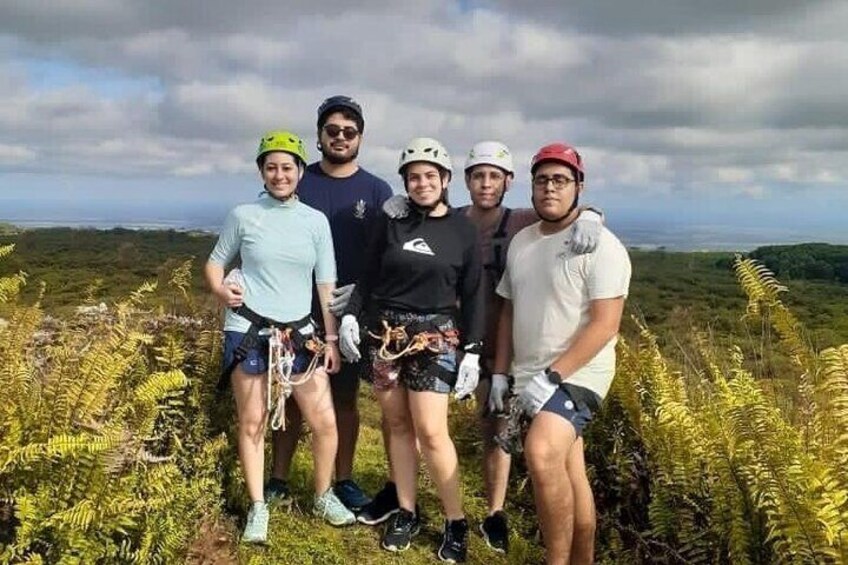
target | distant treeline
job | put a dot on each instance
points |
(810, 261)
(671, 292)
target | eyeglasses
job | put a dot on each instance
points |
(334, 130)
(559, 181)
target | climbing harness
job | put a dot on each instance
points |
(281, 356)
(395, 342)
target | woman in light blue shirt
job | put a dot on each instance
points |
(282, 243)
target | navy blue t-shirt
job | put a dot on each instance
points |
(351, 204)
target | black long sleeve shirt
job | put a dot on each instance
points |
(425, 266)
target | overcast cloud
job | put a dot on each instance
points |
(741, 99)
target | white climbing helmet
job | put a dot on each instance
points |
(490, 153)
(425, 149)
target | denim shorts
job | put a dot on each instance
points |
(256, 362)
(574, 407)
(427, 371)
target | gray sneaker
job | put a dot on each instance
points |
(256, 528)
(330, 509)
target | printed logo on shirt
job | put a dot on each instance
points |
(418, 245)
(359, 209)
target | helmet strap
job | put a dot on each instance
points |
(561, 218)
(268, 192)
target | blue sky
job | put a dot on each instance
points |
(704, 113)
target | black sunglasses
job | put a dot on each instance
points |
(348, 132)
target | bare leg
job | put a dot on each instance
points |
(316, 405)
(548, 441)
(404, 457)
(387, 434)
(249, 391)
(583, 543)
(345, 395)
(430, 414)
(495, 460)
(284, 442)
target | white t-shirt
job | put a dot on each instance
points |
(551, 288)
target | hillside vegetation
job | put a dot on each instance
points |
(724, 438)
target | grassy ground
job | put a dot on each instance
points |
(297, 537)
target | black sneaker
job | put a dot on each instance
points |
(454, 546)
(351, 495)
(400, 530)
(277, 491)
(496, 532)
(379, 510)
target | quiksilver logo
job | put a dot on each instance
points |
(418, 245)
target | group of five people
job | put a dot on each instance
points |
(420, 299)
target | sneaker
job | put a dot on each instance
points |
(351, 495)
(256, 528)
(496, 532)
(381, 508)
(277, 490)
(400, 530)
(330, 509)
(454, 546)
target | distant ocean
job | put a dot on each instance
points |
(633, 232)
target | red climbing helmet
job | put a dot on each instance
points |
(559, 152)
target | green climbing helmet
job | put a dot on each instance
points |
(282, 140)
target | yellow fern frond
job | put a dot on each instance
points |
(159, 385)
(6, 250)
(758, 283)
(181, 278)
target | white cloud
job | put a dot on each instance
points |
(661, 97)
(15, 154)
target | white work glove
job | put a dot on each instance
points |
(497, 393)
(341, 296)
(587, 231)
(396, 207)
(468, 376)
(349, 338)
(536, 394)
(234, 277)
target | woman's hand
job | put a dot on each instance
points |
(230, 295)
(332, 358)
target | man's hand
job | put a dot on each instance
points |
(587, 231)
(468, 376)
(536, 393)
(396, 207)
(497, 393)
(341, 296)
(349, 338)
(230, 292)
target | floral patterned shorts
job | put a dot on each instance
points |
(433, 369)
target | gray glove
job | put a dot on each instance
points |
(341, 296)
(396, 207)
(535, 394)
(587, 231)
(498, 392)
(349, 338)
